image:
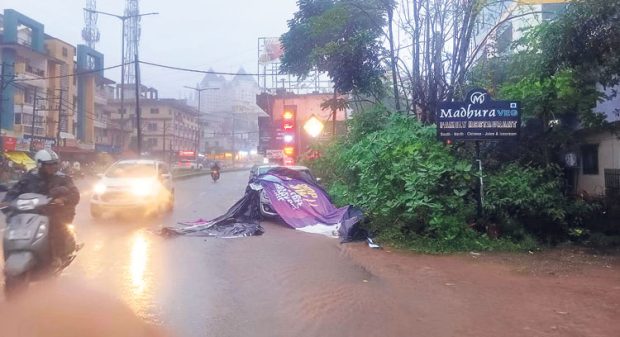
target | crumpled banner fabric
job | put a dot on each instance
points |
(301, 203)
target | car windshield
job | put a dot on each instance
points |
(263, 170)
(304, 172)
(131, 170)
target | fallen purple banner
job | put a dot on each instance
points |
(301, 203)
(305, 206)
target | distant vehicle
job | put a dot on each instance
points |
(188, 164)
(215, 174)
(264, 205)
(134, 185)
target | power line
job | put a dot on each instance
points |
(68, 75)
(195, 70)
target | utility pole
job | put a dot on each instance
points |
(164, 143)
(59, 119)
(2, 74)
(34, 115)
(138, 114)
(233, 140)
(123, 18)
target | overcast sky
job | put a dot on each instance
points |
(187, 33)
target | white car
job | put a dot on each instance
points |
(141, 185)
(265, 205)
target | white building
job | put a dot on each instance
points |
(527, 13)
(230, 112)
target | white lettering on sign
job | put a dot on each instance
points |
(467, 112)
(477, 97)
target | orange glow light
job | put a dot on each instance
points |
(289, 150)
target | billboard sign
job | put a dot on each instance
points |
(270, 50)
(275, 154)
(10, 143)
(187, 154)
(479, 117)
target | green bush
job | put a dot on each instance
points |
(419, 193)
(521, 200)
(403, 179)
(524, 194)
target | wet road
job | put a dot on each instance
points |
(273, 285)
(290, 283)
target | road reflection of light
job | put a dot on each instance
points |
(139, 259)
(92, 259)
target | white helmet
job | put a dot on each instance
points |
(46, 156)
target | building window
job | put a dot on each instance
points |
(152, 142)
(18, 118)
(154, 111)
(65, 52)
(589, 158)
(612, 183)
(152, 126)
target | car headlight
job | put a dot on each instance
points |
(100, 188)
(143, 188)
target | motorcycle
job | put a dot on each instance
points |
(27, 243)
(215, 175)
(72, 173)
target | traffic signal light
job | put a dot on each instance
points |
(288, 139)
(289, 151)
(289, 132)
(288, 119)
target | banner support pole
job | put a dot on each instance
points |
(480, 182)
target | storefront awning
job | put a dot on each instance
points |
(21, 158)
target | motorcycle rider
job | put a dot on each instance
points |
(47, 180)
(215, 171)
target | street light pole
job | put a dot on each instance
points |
(199, 91)
(122, 18)
(138, 112)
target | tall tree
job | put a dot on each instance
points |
(587, 39)
(445, 38)
(341, 38)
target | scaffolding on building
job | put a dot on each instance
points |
(271, 79)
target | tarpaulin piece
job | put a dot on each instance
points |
(298, 200)
(242, 219)
(305, 206)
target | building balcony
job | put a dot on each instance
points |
(100, 123)
(101, 100)
(32, 79)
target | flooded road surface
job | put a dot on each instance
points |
(289, 283)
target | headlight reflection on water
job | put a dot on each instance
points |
(138, 264)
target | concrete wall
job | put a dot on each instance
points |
(608, 158)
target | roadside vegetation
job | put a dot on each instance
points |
(419, 193)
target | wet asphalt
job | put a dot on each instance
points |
(276, 284)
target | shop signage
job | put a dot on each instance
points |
(479, 117)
